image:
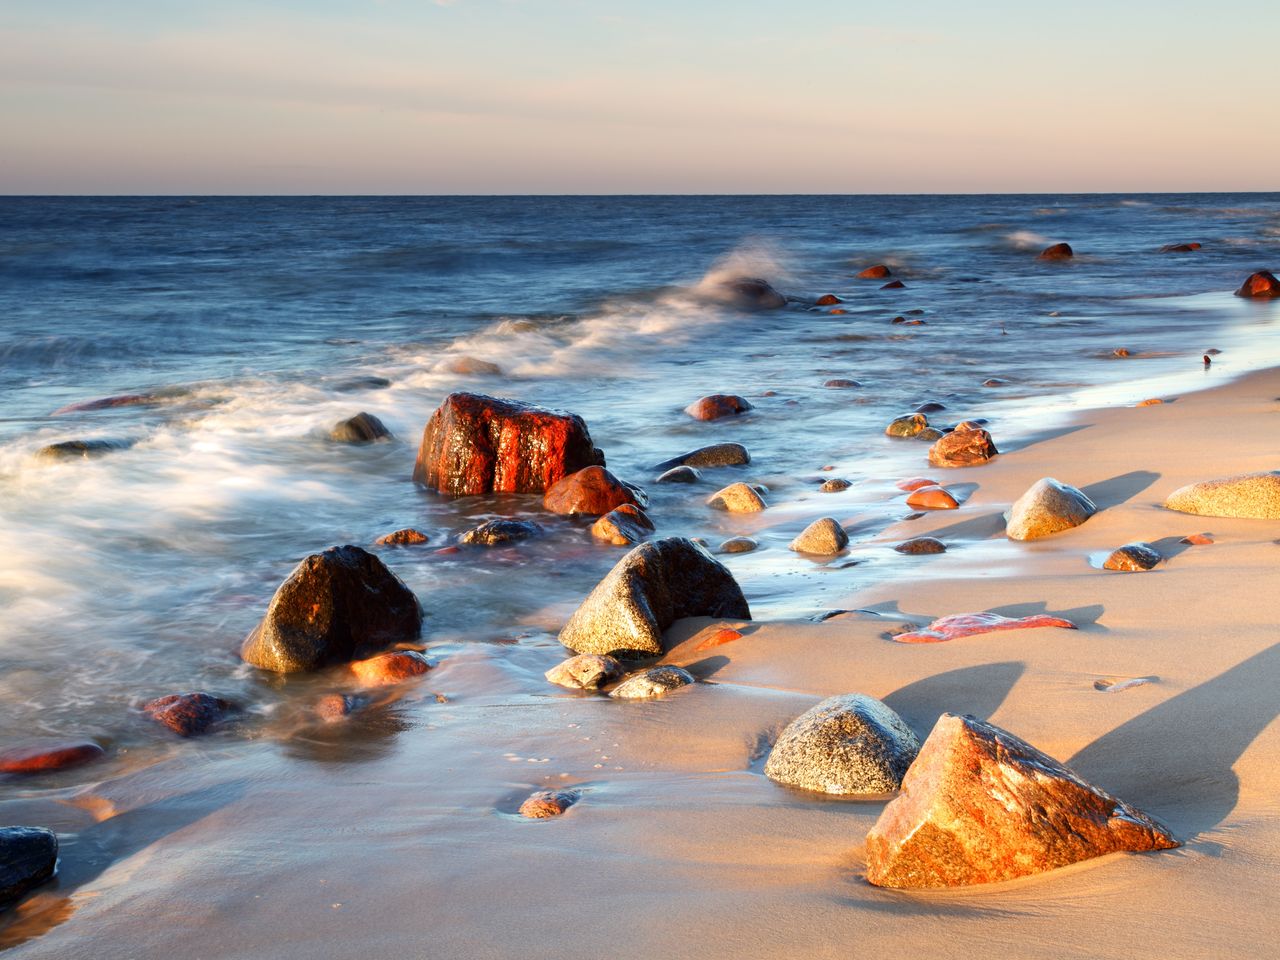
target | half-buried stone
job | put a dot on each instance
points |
(1048, 507)
(717, 406)
(980, 805)
(962, 448)
(649, 589)
(848, 744)
(715, 455)
(680, 475)
(911, 425)
(824, 537)
(1133, 558)
(362, 428)
(28, 856)
(1251, 496)
(336, 606)
(654, 682)
(586, 671)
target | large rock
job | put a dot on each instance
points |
(963, 448)
(750, 293)
(362, 428)
(1261, 284)
(848, 744)
(593, 491)
(1048, 507)
(649, 589)
(824, 537)
(28, 856)
(1254, 496)
(716, 455)
(475, 444)
(334, 607)
(717, 406)
(980, 805)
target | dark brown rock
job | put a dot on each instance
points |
(750, 293)
(475, 444)
(1261, 285)
(877, 272)
(592, 491)
(188, 714)
(1059, 251)
(921, 545)
(407, 537)
(894, 285)
(110, 403)
(501, 530)
(362, 428)
(828, 300)
(717, 406)
(1180, 248)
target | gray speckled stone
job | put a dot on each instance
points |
(824, 537)
(27, 859)
(737, 498)
(835, 485)
(654, 682)
(586, 671)
(1254, 496)
(1048, 507)
(716, 455)
(848, 744)
(650, 588)
(502, 530)
(680, 474)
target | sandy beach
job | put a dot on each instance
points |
(679, 846)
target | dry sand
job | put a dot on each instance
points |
(680, 847)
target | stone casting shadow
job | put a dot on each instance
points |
(977, 690)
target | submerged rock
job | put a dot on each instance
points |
(362, 428)
(737, 498)
(877, 272)
(649, 589)
(959, 625)
(475, 444)
(963, 448)
(848, 744)
(716, 455)
(491, 533)
(842, 383)
(980, 805)
(79, 449)
(834, 485)
(42, 756)
(824, 537)
(188, 714)
(386, 669)
(828, 300)
(916, 483)
(1253, 496)
(334, 607)
(28, 857)
(654, 682)
(1133, 557)
(717, 406)
(894, 285)
(1261, 284)
(909, 426)
(586, 671)
(473, 366)
(921, 545)
(1059, 251)
(593, 491)
(1048, 507)
(750, 293)
(547, 803)
(680, 475)
(111, 403)
(738, 545)
(623, 527)
(1180, 248)
(407, 537)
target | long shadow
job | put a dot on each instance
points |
(1030, 440)
(1086, 616)
(1179, 754)
(1113, 492)
(988, 526)
(977, 690)
(1170, 547)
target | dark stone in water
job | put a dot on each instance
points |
(362, 428)
(109, 403)
(336, 606)
(877, 272)
(79, 449)
(841, 383)
(828, 300)
(894, 285)
(188, 714)
(921, 545)
(931, 406)
(1261, 284)
(355, 384)
(1180, 248)
(28, 856)
(503, 530)
(751, 293)
(680, 475)
(716, 455)
(717, 406)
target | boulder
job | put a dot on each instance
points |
(921, 545)
(386, 669)
(1059, 251)
(42, 756)
(1254, 496)
(1048, 507)
(963, 448)
(501, 530)
(654, 682)
(828, 300)
(750, 293)
(980, 805)
(848, 744)
(834, 485)
(959, 625)
(188, 714)
(362, 428)
(1261, 284)
(1180, 248)
(28, 857)
(547, 803)
(649, 589)
(623, 527)
(1133, 558)
(334, 607)
(738, 498)
(932, 498)
(931, 406)
(475, 444)
(680, 475)
(586, 671)
(407, 537)
(877, 272)
(717, 406)
(824, 537)
(909, 426)
(716, 455)
(738, 545)
(593, 491)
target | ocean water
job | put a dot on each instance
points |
(256, 324)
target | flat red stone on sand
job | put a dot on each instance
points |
(39, 757)
(932, 498)
(389, 668)
(720, 636)
(968, 624)
(915, 483)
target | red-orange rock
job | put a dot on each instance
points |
(877, 272)
(335, 707)
(979, 805)
(718, 637)
(548, 803)
(402, 538)
(475, 444)
(717, 406)
(388, 668)
(623, 526)
(894, 285)
(1151, 402)
(1197, 540)
(592, 490)
(915, 483)
(932, 498)
(968, 624)
(828, 300)
(1260, 284)
(837, 312)
(1059, 251)
(1180, 248)
(963, 448)
(39, 756)
(188, 714)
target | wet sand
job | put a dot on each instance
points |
(395, 835)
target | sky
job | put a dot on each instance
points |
(598, 96)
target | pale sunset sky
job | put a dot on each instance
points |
(596, 96)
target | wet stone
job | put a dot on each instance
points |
(586, 671)
(738, 545)
(1133, 557)
(738, 498)
(502, 530)
(680, 475)
(188, 714)
(362, 428)
(654, 682)
(547, 803)
(42, 756)
(28, 857)
(834, 485)
(715, 455)
(921, 545)
(824, 537)
(407, 537)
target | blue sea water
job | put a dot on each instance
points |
(257, 323)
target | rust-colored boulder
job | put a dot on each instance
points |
(718, 637)
(963, 448)
(188, 714)
(932, 498)
(1059, 251)
(717, 406)
(1260, 284)
(828, 300)
(547, 803)
(475, 444)
(894, 285)
(41, 756)
(389, 668)
(979, 805)
(593, 491)
(959, 625)
(336, 606)
(1180, 248)
(624, 526)
(407, 537)
(877, 272)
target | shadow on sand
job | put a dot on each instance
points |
(978, 690)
